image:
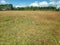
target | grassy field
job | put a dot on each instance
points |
(29, 28)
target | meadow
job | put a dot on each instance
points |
(29, 28)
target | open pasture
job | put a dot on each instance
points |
(29, 28)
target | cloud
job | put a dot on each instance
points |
(34, 4)
(39, 4)
(20, 6)
(58, 4)
(43, 4)
(3, 1)
(52, 3)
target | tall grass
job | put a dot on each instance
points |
(30, 29)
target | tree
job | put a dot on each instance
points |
(6, 7)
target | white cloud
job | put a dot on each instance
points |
(52, 3)
(34, 4)
(39, 4)
(43, 4)
(20, 6)
(58, 4)
(3, 1)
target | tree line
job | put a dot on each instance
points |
(11, 7)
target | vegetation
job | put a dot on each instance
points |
(35, 8)
(10, 7)
(6, 7)
(29, 28)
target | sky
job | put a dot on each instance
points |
(38, 3)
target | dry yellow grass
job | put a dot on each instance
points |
(29, 28)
